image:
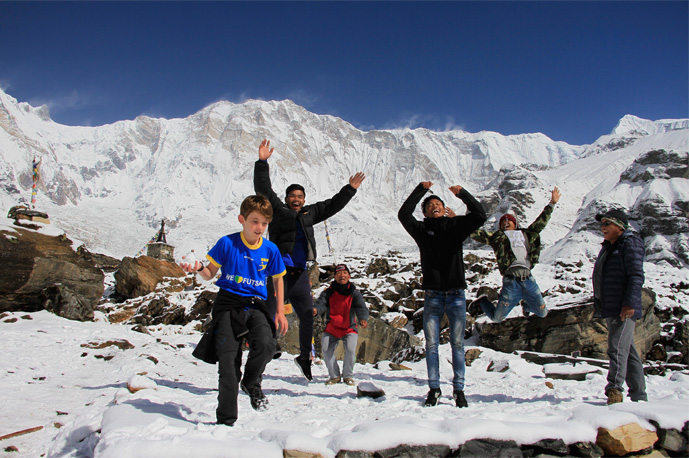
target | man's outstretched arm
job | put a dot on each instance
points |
(539, 224)
(262, 183)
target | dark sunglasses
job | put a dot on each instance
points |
(606, 223)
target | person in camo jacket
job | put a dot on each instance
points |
(516, 250)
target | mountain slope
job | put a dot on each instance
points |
(111, 185)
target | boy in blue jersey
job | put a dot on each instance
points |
(245, 260)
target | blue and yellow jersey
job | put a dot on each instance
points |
(243, 267)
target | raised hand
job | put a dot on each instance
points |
(555, 196)
(356, 179)
(427, 184)
(264, 150)
(455, 189)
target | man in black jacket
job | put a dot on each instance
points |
(292, 231)
(618, 276)
(440, 240)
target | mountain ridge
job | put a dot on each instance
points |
(111, 185)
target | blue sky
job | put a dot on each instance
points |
(568, 69)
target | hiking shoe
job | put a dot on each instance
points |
(474, 309)
(349, 381)
(433, 397)
(614, 396)
(525, 312)
(460, 400)
(225, 423)
(304, 366)
(333, 381)
(491, 294)
(259, 401)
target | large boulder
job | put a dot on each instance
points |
(143, 275)
(565, 330)
(625, 439)
(39, 271)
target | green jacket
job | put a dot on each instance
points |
(501, 244)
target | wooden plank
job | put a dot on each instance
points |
(21, 433)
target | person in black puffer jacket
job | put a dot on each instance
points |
(618, 276)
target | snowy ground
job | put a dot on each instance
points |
(52, 378)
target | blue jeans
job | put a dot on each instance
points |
(453, 304)
(514, 290)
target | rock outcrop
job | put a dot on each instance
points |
(565, 330)
(141, 276)
(39, 271)
(658, 216)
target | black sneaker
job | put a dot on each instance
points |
(304, 366)
(474, 309)
(433, 397)
(225, 423)
(259, 401)
(459, 398)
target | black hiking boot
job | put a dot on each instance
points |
(460, 400)
(525, 312)
(304, 365)
(474, 309)
(259, 401)
(433, 397)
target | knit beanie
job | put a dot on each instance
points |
(508, 216)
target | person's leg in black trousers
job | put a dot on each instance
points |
(229, 357)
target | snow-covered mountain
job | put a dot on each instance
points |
(111, 185)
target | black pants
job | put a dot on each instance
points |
(298, 293)
(261, 350)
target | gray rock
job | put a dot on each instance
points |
(565, 330)
(62, 301)
(378, 267)
(414, 451)
(481, 448)
(586, 449)
(546, 447)
(681, 340)
(670, 439)
(38, 270)
(353, 454)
